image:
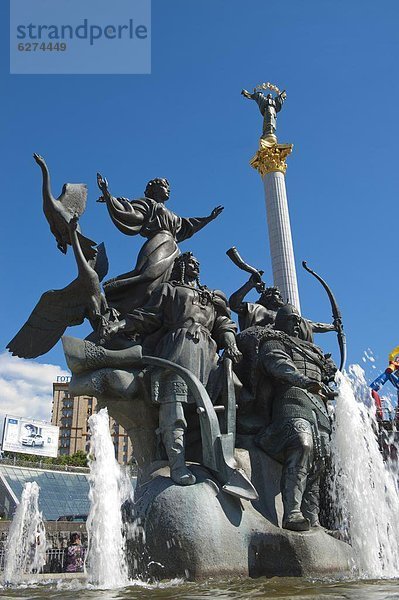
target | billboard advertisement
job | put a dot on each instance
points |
(30, 436)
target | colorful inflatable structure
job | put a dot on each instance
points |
(388, 418)
(390, 374)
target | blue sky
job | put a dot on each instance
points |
(187, 121)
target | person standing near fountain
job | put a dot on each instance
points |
(149, 218)
(74, 555)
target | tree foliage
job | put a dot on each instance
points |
(78, 459)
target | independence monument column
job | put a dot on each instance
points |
(270, 162)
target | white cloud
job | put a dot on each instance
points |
(26, 387)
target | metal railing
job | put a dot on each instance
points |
(54, 560)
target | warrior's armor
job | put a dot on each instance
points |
(285, 375)
(291, 398)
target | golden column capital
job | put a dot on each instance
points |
(271, 157)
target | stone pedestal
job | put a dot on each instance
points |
(270, 162)
(199, 531)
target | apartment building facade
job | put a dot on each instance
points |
(71, 415)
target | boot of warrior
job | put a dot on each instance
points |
(173, 428)
(173, 440)
(311, 497)
(293, 483)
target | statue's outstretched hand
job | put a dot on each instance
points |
(103, 185)
(321, 390)
(256, 281)
(246, 94)
(216, 212)
(337, 324)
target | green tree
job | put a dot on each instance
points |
(78, 459)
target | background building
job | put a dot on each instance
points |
(71, 414)
(63, 494)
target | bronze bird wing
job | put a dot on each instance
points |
(73, 199)
(55, 311)
(73, 203)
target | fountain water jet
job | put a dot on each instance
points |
(106, 556)
(364, 487)
(26, 543)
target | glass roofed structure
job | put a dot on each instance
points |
(62, 494)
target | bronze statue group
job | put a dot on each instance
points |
(165, 348)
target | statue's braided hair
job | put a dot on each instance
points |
(206, 295)
(179, 270)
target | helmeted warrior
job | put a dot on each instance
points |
(298, 434)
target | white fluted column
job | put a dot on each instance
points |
(280, 238)
(269, 161)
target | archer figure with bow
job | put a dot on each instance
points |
(263, 311)
(286, 382)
